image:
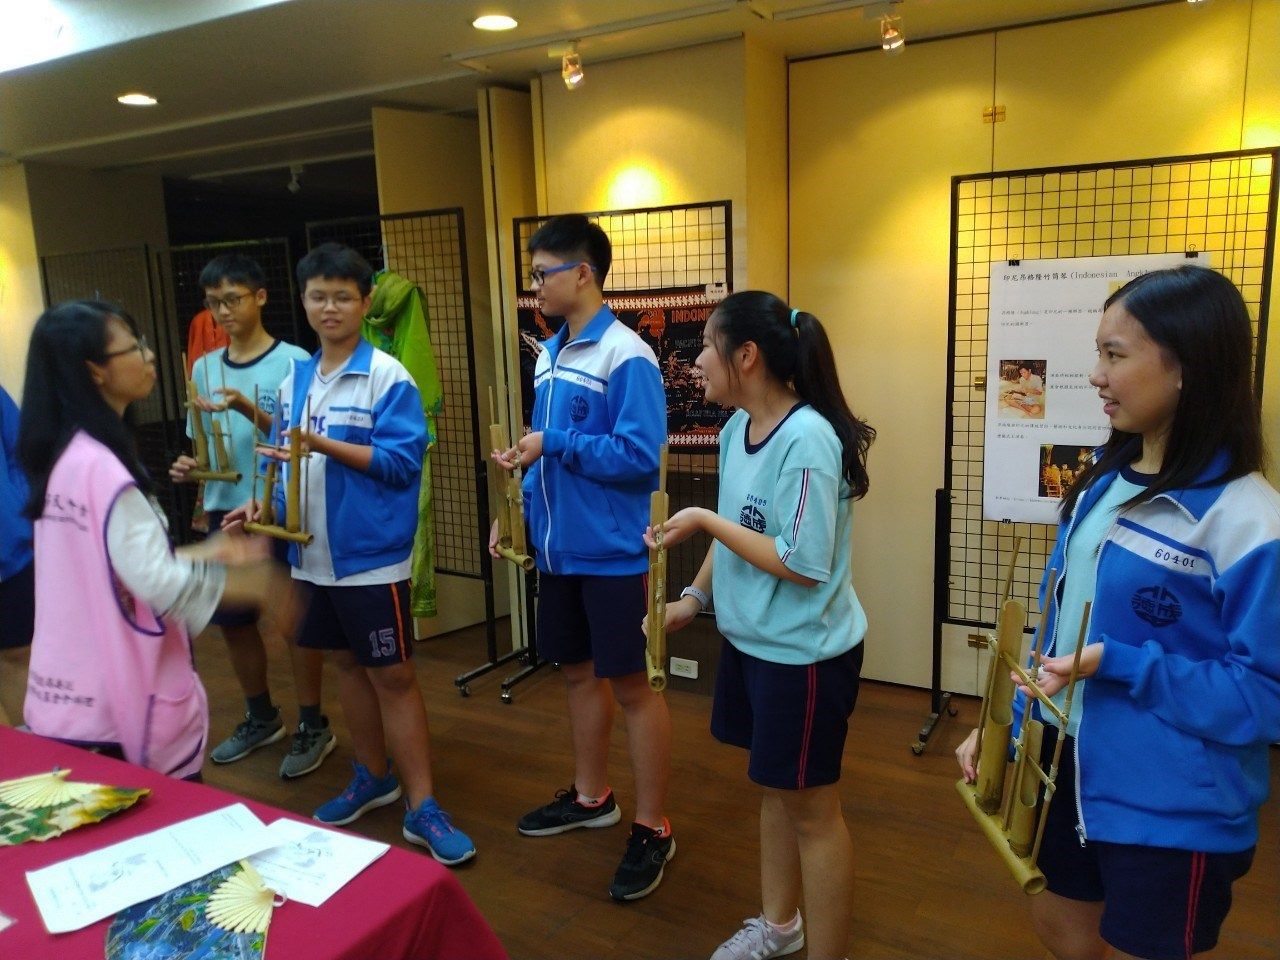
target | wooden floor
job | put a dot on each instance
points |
(928, 885)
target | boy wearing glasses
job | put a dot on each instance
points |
(366, 434)
(226, 382)
(599, 419)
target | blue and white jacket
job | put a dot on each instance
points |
(372, 516)
(1173, 743)
(15, 529)
(599, 403)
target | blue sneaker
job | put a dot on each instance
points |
(363, 793)
(430, 827)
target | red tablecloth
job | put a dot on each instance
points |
(403, 907)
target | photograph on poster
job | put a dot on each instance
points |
(1060, 465)
(1022, 389)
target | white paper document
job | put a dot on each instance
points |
(310, 864)
(80, 891)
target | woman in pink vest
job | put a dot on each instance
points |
(111, 658)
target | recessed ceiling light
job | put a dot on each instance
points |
(494, 21)
(136, 100)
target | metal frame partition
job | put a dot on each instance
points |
(1220, 203)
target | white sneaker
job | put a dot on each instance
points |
(758, 940)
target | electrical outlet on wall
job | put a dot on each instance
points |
(680, 667)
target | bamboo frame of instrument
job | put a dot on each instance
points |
(655, 649)
(1014, 821)
(221, 469)
(294, 528)
(511, 539)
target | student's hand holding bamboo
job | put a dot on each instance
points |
(179, 469)
(680, 614)
(524, 454)
(1056, 671)
(680, 527)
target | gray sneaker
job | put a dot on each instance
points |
(251, 734)
(310, 746)
(758, 940)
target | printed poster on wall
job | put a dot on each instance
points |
(671, 322)
(1043, 417)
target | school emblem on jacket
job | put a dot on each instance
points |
(578, 408)
(1156, 605)
(751, 518)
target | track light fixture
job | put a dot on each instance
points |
(892, 39)
(571, 67)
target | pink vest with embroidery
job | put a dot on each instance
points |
(104, 667)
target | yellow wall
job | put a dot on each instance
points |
(765, 148)
(660, 129)
(874, 142)
(429, 161)
(870, 189)
(21, 299)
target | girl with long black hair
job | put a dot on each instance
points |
(1174, 535)
(111, 659)
(792, 461)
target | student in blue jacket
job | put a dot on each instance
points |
(17, 573)
(599, 419)
(1175, 536)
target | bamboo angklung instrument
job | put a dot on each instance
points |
(511, 541)
(294, 527)
(220, 469)
(656, 625)
(1014, 820)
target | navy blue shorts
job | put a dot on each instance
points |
(372, 621)
(793, 718)
(18, 601)
(233, 616)
(593, 619)
(1158, 903)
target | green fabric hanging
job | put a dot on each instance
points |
(397, 324)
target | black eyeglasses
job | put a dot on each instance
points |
(231, 301)
(538, 275)
(140, 345)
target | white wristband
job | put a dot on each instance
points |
(702, 598)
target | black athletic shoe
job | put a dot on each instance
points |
(641, 869)
(565, 813)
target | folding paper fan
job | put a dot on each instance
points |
(242, 903)
(178, 925)
(47, 805)
(43, 790)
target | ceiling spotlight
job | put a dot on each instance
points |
(294, 185)
(892, 39)
(136, 100)
(495, 21)
(571, 68)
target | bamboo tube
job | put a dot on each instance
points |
(1023, 800)
(219, 471)
(1023, 869)
(998, 729)
(656, 622)
(511, 540)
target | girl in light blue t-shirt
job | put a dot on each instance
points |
(792, 460)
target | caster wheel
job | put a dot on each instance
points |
(506, 698)
(952, 711)
(464, 690)
(917, 748)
